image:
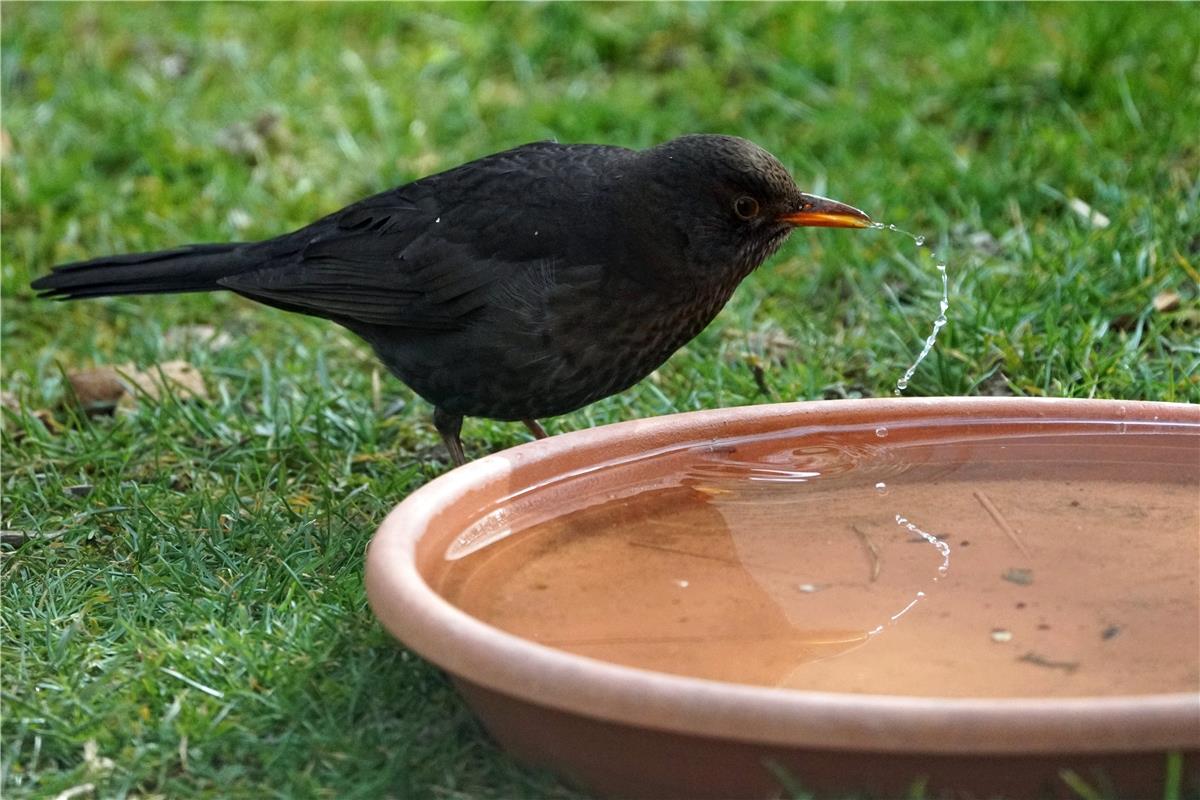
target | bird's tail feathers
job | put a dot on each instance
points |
(195, 268)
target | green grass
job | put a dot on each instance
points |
(200, 616)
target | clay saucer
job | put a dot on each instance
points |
(664, 608)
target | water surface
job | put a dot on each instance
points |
(1020, 560)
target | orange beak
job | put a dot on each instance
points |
(821, 212)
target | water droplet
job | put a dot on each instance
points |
(682, 584)
(1001, 635)
(881, 487)
(439, 219)
(891, 227)
(920, 240)
(881, 432)
(877, 226)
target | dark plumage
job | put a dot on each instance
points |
(523, 285)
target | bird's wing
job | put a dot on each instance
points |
(376, 262)
(429, 254)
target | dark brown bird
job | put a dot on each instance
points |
(523, 285)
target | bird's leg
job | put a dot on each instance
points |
(535, 428)
(449, 426)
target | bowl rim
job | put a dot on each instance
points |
(486, 656)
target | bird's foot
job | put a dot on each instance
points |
(450, 426)
(535, 428)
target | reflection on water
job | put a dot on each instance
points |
(840, 561)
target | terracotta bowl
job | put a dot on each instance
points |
(1033, 692)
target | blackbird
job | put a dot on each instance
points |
(525, 284)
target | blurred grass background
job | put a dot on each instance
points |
(194, 625)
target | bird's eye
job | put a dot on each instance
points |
(746, 207)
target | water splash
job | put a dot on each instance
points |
(943, 306)
(942, 547)
(931, 340)
(939, 544)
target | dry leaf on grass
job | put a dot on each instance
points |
(97, 389)
(175, 65)
(108, 387)
(996, 385)
(253, 139)
(93, 761)
(10, 401)
(14, 538)
(771, 344)
(984, 242)
(82, 790)
(1090, 215)
(207, 335)
(1166, 301)
(1163, 303)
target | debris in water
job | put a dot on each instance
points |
(1019, 576)
(1041, 661)
(712, 490)
(872, 550)
(1001, 522)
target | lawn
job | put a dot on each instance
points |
(183, 611)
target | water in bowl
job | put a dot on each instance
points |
(1050, 558)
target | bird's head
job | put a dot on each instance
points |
(727, 203)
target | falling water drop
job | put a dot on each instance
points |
(938, 324)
